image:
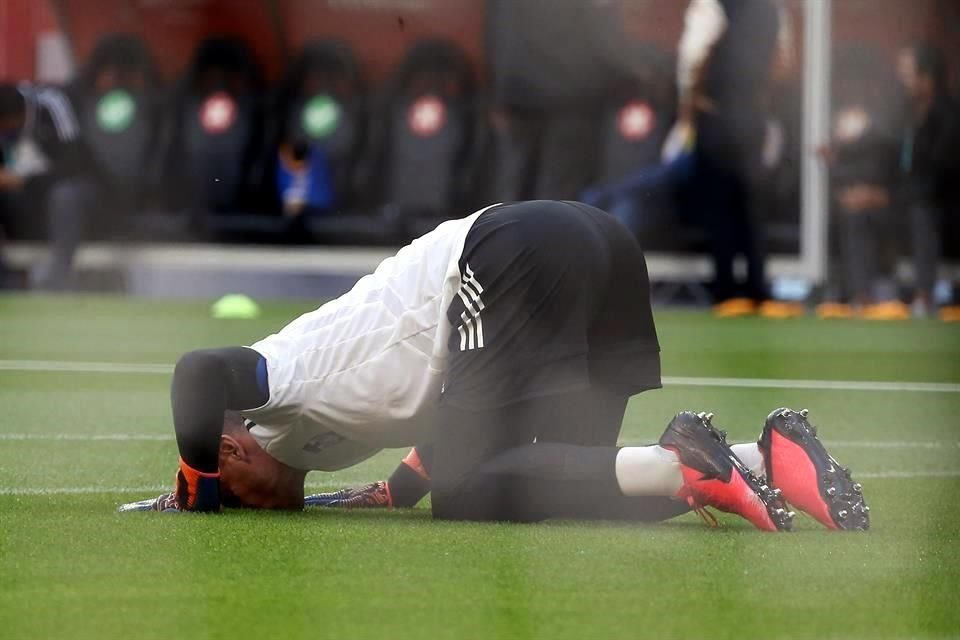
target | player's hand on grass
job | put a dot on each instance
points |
(164, 502)
(375, 495)
(195, 491)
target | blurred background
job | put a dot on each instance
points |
(771, 157)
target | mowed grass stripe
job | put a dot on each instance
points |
(148, 437)
(54, 366)
(147, 489)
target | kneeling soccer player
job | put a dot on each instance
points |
(510, 341)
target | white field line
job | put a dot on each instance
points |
(157, 489)
(147, 490)
(150, 437)
(818, 385)
(906, 475)
(87, 437)
(52, 366)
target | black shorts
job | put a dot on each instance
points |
(555, 298)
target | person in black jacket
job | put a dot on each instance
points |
(553, 63)
(41, 161)
(927, 160)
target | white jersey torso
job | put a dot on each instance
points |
(364, 371)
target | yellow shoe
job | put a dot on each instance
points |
(950, 314)
(893, 310)
(779, 310)
(833, 310)
(735, 308)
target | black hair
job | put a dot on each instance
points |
(11, 101)
(930, 61)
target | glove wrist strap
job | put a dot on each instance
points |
(197, 490)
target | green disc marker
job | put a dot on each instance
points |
(115, 111)
(321, 115)
(235, 306)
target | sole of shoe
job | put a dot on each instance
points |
(811, 479)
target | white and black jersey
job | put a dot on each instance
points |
(512, 302)
(364, 371)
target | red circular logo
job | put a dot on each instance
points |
(218, 113)
(636, 121)
(427, 115)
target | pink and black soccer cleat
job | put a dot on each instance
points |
(811, 480)
(713, 476)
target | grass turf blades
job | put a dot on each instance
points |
(71, 567)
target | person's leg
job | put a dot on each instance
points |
(488, 466)
(925, 227)
(754, 242)
(859, 254)
(714, 198)
(70, 204)
(8, 211)
(629, 212)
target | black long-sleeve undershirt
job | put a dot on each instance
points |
(206, 383)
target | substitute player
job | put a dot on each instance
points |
(511, 340)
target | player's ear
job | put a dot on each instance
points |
(230, 447)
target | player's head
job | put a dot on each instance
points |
(13, 111)
(250, 477)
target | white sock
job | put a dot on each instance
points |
(655, 471)
(749, 454)
(648, 471)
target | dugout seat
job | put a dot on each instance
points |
(322, 103)
(634, 123)
(322, 116)
(215, 157)
(118, 94)
(429, 137)
(636, 119)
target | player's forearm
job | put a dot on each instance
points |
(206, 384)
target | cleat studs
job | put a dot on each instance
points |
(866, 509)
(832, 491)
(842, 514)
(858, 487)
(709, 417)
(804, 413)
(791, 514)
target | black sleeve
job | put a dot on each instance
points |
(206, 384)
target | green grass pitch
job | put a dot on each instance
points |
(71, 567)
